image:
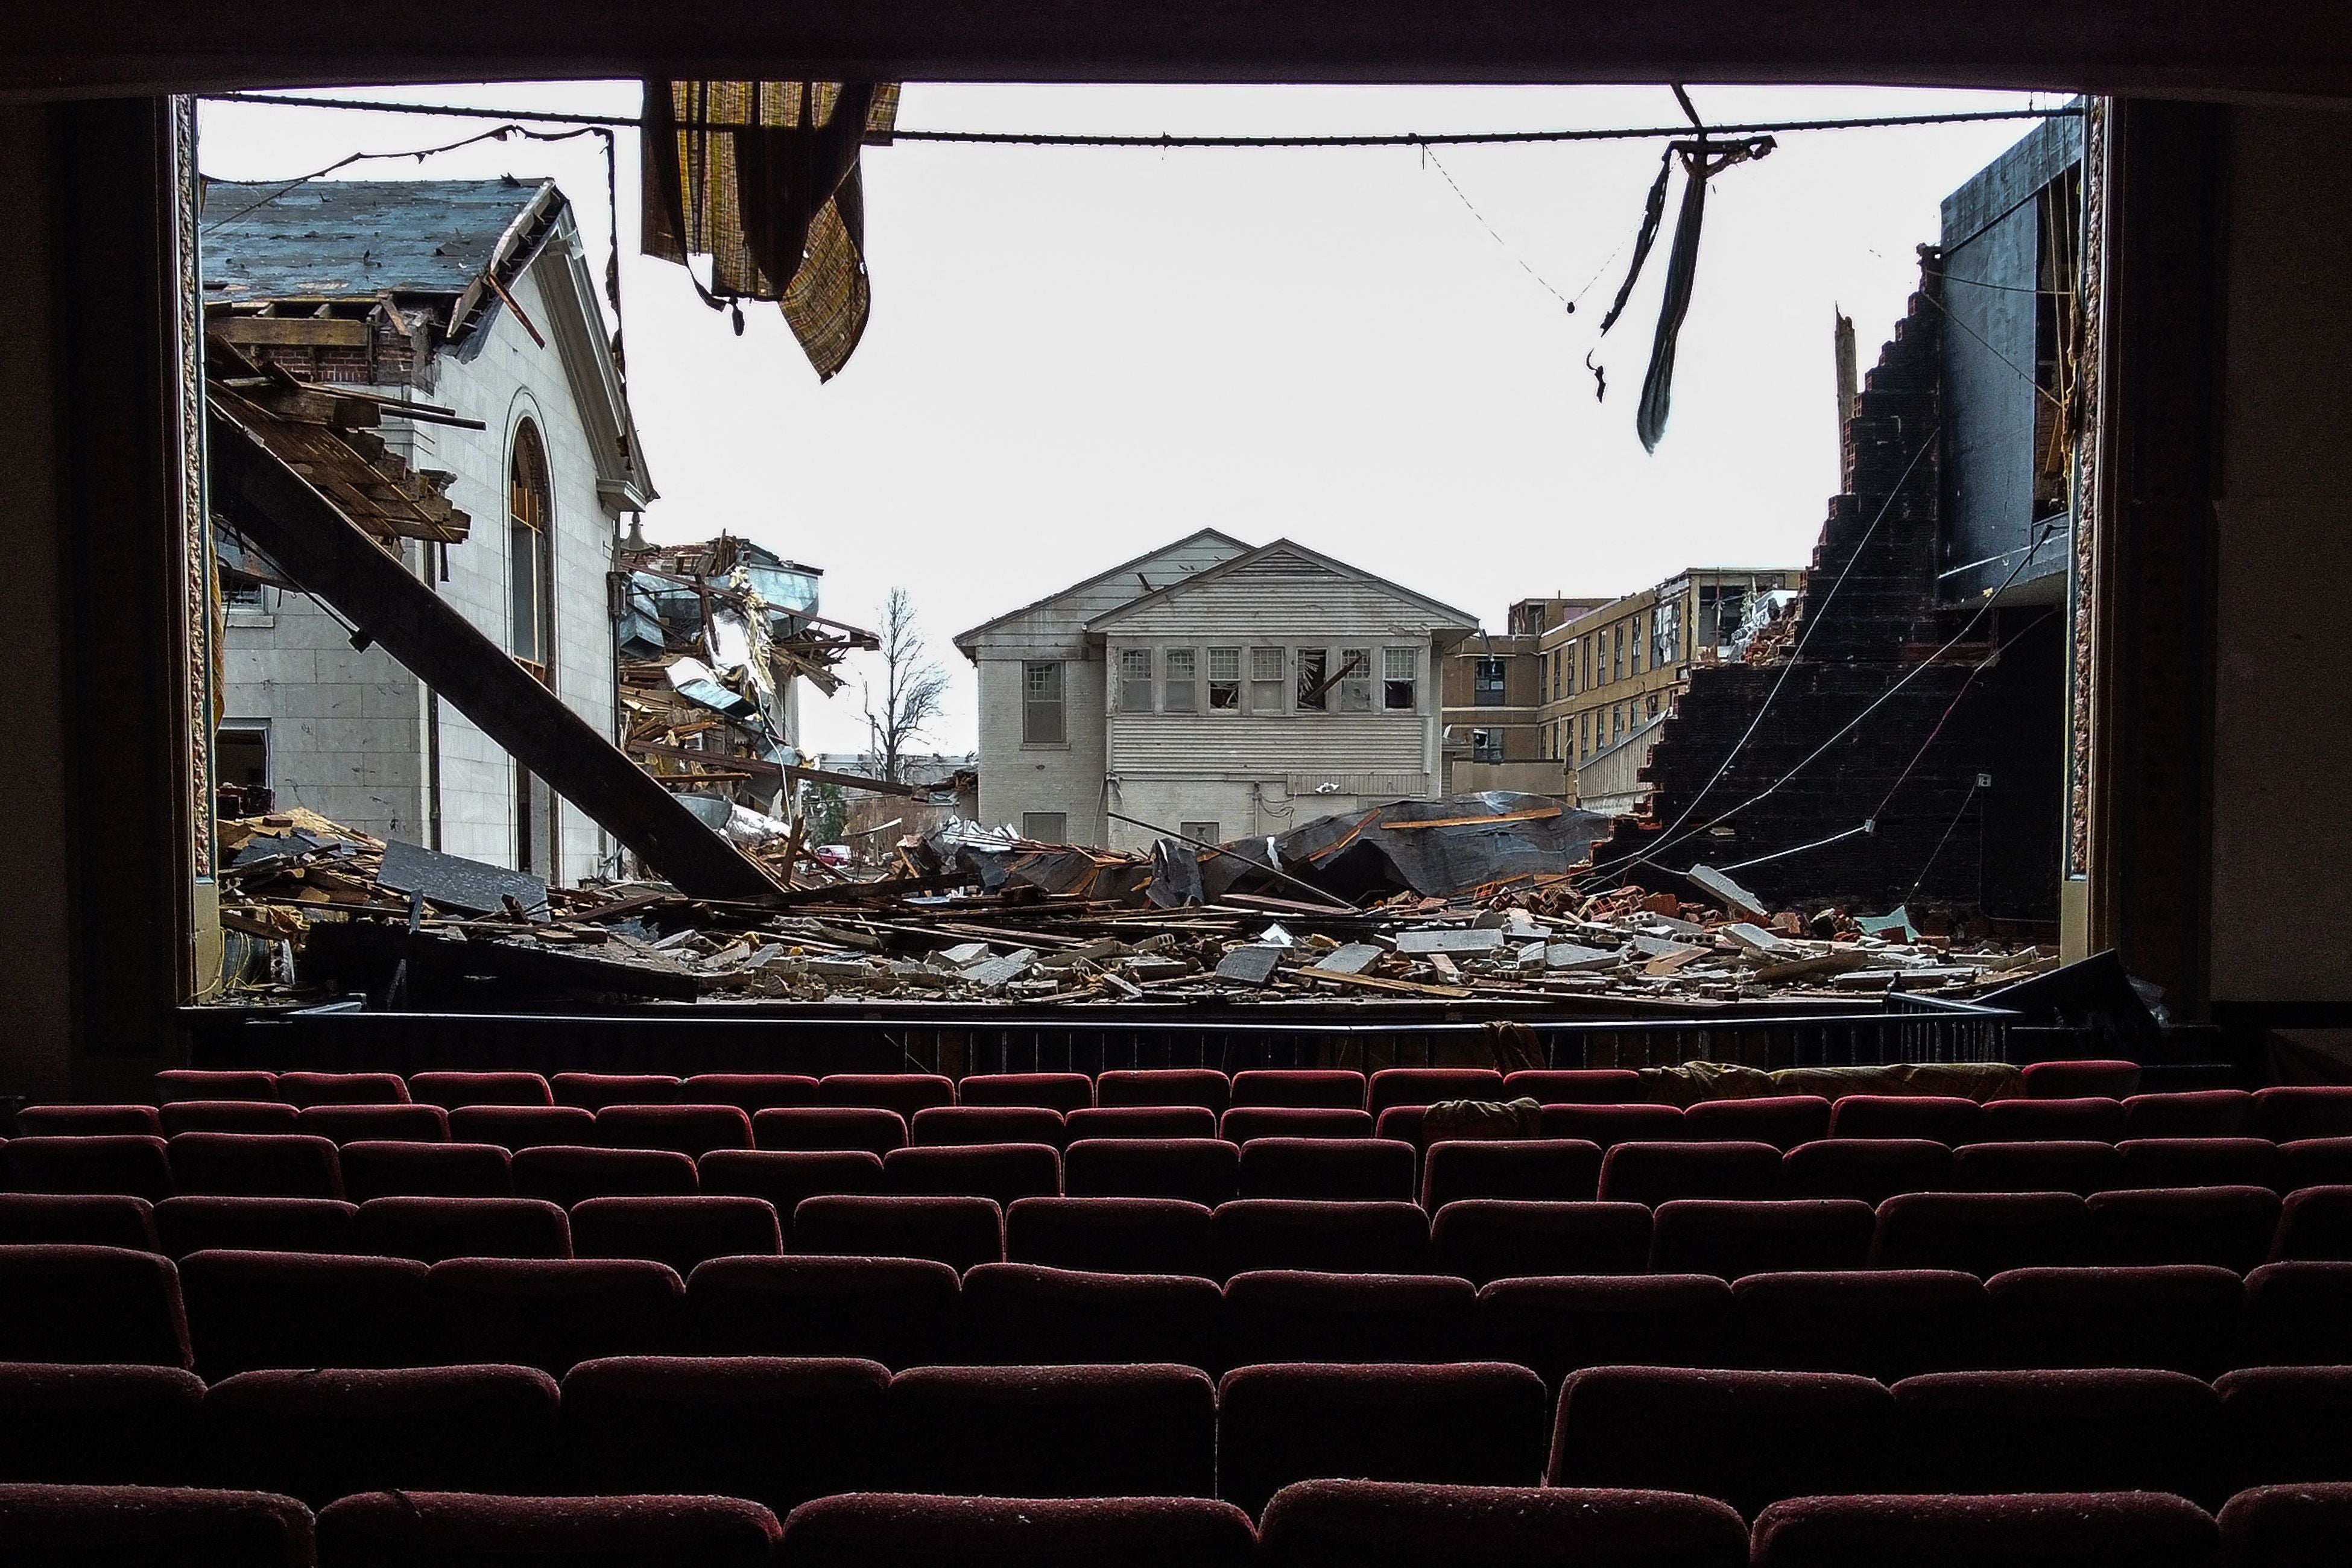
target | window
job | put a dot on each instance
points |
(1202, 832)
(1265, 680)
(1399, 666)
(1135, 680)
(1666, 634)
(241, 766)
(1314, 688)
(1045, 827)
(1486, 684)
(1355, 680)
(1224, 679)
(1588, 657)
(1041, 705)
(1720, 611)
(242, 592)
(1617, 651)
(1588, 732)
(530, 563)
(1636, 624)
(1486, 745)
(1181, 691)
(1650, 706)
(1616, 722)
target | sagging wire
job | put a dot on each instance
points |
(1431, 158)
(1921, 880)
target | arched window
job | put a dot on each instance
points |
(530, 554)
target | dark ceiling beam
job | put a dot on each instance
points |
(2147, 47)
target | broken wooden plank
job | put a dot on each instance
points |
(1533, 813)
(1380, 983)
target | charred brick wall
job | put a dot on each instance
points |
(1868, 620)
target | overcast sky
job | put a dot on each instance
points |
(1077, 354)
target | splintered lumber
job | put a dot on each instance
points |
(1380, 983)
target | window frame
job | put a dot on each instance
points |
(1179, 694)
(1231, 683)
(1135, 681)
(1032, 705)
(1355, 690)
(531, 541)
(1391, 681)
(1263, 687)
(1485, 692)
(1311, 664)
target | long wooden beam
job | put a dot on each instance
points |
(311, 539)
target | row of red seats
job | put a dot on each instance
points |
(1479, 1239)
(696, 1128)
(781, 1432)
(1310, 1524)
(1200, 1170)
(225, 1311)
(908, 1092)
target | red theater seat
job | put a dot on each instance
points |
(1334, 1238)
(92, 1305)
(2285, 1115)
(2286, 1527)
(750, 1092)
(183, 1527)
(2297, 1314)
(1019, 1314)
(1356, 1524)
(2078, 1431)
(1335, 1087)
(196, 1083)
(2316, 1163)
(1140, 1122)
(1244, 1122)
(431, 1230)
(1427, 1086)
(2194, 1113)
(77, 1219)
(253, 1309)
(519, 1126)
(466, 1530)
(2081, 1079)
(1870, 1170)
(1203, 1087)
(680, 1232)
(1469, 1424)
(2315, 1226)
(1289, 1315)
(1122, 1236)
(2199, 1163)
(2283, 1424)
(403, 1170)
(254, 1165)
(829, 1127)
(1562, 1324)
(1745, 1439)
(957, 1231)
(1002, 1172)
(2104, 1529)
(1983, 1233)
(451, 1089)
(349, 1123)
(1576, 1086)
(83, 1120)
(2038, 1120)
(1054, 1431)
(1936, 1118)
(776, 1431)
(552, 1313)
(689, 1130)
(1881, 1323)
(595, 1090)
(2179, 1317)
(1348, 1169)
(1609, 1125)
(1479, 1239)
(783, 1177)
(1198, 1170)
(120, 1164)
(1654, 1173)
(941, 1126)
(324, 1435)
(568, 1175)
(2229, 1227)
(228, 1116)
(2077, 1167)
(904, 1092)
(341, 1088)
(258, 1225)
(868, 1530)
(1558, 1170)
(1063, 1091)
(1782, 1120)
(900, 1311)
(99, 1424)
(1702, 1236)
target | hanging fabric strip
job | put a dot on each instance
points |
(762, 177)
(1652, 211)
(1699, 165)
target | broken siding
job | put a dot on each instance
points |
(1280, 596)
(1057, 628)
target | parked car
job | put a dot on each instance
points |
(835, 855)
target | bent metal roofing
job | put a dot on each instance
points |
(326, 239)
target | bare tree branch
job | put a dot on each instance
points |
(914, 691)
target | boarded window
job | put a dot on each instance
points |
(1179, 682)
(1045, 827)
(1401, 668)
(1486, 683)
(1201, 832)
(1042, 722)
(1314, 675)
(1135, 680)
(1224, 679)
(1265, 680)
(1355, 680)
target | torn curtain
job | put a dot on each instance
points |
(762, 177)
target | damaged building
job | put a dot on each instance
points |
(1494, 685)
(461, 317)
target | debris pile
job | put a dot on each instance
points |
(968, 917)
